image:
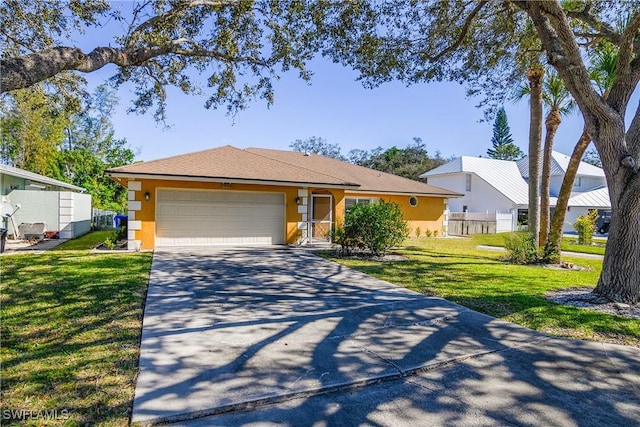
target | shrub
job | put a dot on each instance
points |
(112, 240)
(345, 242)
(521, 248)
(418, 231)
(375, 227)
(585, 225)
(427, 233)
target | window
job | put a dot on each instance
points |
(578, 182)
(413, 201)
(468, 182)
(523, 217)
(350, 202)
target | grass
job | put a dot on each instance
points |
(86, 242)
(455, 270)
(71, 325)
(569, 244)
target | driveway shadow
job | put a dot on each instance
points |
(303, 340)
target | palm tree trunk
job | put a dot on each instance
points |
(551, 124)
(552, 247)
(535, 76)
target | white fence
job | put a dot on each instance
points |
(463, 223)
(101, 219)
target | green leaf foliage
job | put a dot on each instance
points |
(41, 133)
(228, 51)
(409, 162)
(502, 141)
(585, 225)
(317, 145)
(521, 248)
(375, 227)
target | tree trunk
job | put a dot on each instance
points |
(535, 76)
(551, 123)
(554, 243)
(620, 277)
(604, 120)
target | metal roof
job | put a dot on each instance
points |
(559, 166)
(503, 175)
(598, 198)
(21, 173)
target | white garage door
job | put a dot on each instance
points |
(202, 218)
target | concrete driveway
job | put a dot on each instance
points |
(282, 337)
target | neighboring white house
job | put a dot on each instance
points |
(500, 186)
(63, 207)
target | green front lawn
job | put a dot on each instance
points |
(455, 270)
(71, 325)
(569, 244)
(71, 320)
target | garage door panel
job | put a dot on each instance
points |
(218, 218)
(213, 210)
(239, 219)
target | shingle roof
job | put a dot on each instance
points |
(278, 166)
(503, 175)
(21, 173)
(559, 166)
(598, 198)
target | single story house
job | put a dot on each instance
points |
(253, 196)
(501, 186)
(63, 208)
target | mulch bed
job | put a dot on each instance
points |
(585, 299)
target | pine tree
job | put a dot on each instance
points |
(503, 146)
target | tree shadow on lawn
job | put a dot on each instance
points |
(228, 331)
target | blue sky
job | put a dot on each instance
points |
(334, 106)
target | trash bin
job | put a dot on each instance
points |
(119, 221)
(3, 239)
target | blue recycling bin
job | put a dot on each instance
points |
(119, 221)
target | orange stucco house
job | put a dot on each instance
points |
(255, 196)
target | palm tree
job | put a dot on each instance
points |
(603, 74)
(535, 76)
(559, 102)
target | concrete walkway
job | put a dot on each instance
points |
(37, 248)
(282, 337)
(565, 253)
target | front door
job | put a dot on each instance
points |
(321, 217)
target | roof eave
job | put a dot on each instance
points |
(44, 180)
(406, 193)
(169, 177)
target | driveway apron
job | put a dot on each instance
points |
(232, 329)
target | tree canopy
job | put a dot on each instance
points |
(409, 162)
(40, 136)
(238, 46)
(317, 145)
(503, 147)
